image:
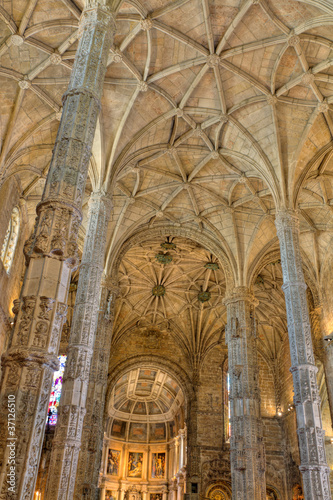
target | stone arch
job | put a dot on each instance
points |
(214, 474)
(155, 362)
(271, 253)
(203, 239)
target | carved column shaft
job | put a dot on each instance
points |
(193, 449)
(72, 408)
(247, 454)
(328, 368)
(93, 426)
(311, 438)
(324, 349)
(51, 254)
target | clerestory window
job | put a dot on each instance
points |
(10, 241)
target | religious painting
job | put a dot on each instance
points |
(110, 495)
(158, 465)
(113, 462)
(156, 496)
(134, 466)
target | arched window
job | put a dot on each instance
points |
(9, 244)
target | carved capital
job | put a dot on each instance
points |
(240, 293)
(55, 232)
(25, 357)
(286, 219)
(98, 197)
(97, 12)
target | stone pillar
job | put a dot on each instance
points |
(247, 455)
(193, 450)
(144, 492)
(51, 253)
(103, 490)
(176, 455)
(67, 440)
(180, 486)
(328, 368)
(164, 494)
(324, 351)
(181, 448)
(311, 438)
(173, 489)
(93, 426)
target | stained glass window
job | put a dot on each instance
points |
(56, 390)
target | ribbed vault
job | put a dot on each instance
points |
(214, 115)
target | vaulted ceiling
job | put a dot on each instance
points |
(215, 113)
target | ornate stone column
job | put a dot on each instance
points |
(328, 368)
(93, 426)
(103, 490)
(51, 252)
(324, 349)
(311, 438)
(176, 455)
(67, 440)
(193, 450)
(181, 448)
(247, 455)
(180, 486)
(173, 489)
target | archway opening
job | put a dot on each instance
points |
(145, 442)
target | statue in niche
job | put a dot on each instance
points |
(298, 492)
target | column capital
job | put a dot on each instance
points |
(287, 218)
(240, 293)
(98, 196)
(111, 284)
(97, 11)
(99, 200)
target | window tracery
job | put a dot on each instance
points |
(10, 241)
